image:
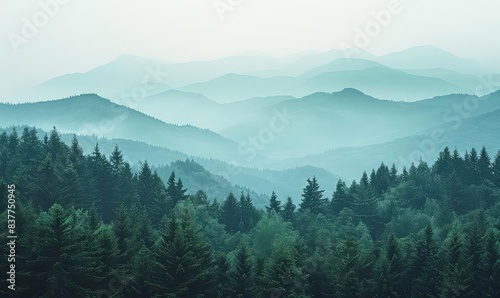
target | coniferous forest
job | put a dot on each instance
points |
(91, 226)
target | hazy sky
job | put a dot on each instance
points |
(79, 35)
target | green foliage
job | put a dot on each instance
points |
(183, 264)
(90, 226)
(242, 281)
(274, 205)
(312, 198)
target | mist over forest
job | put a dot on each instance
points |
(194, 165)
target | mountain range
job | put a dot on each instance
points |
(235, 78)
(259, 124)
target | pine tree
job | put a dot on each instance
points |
(125, 188)
(230, 214)
(444, 163)
(222, 276)
(395, 267)
(484, 165)
(474, 249)
(425, 269)
(172, 191)
(274, 205)
(141, 272)
(394, 179)
(181, 191)
(490, 267)
(248, 213)
(122, 229)
(348, 283)
(282, 277)
(56, 146)
(312, 197)
(76, 152)
(116, 160)
(471, 167)
(47, 183)
(454, 283)
(101, 170)
(340, 199)
(151, 194)
(107, 254)
(214, 210)
(288, 213)
(183, 263)
(365, 206)
(145, 234)
(242, 278)
(404, 175)
(86, 195)
(13, 142)
(62, 267)
(496, 169)
(30, 153)
(146, 190)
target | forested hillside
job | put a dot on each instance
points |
(88, 226)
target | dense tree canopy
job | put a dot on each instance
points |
(92, 227)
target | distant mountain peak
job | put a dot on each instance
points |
(349, 91)
(86, 96)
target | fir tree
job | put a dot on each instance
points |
(183, 264)
(454, 283)
(312, 197)
(340, 199)
(283, 277)
(274, 205)
(484, 165)
(288, 213)
(425, 267)
(101, 170)
(242, 279)
(61, 264)
(248, 213)
(490, 267)
(348, 283)
(230, 214)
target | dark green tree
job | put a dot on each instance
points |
(341, 199)
(230, 215)
(454, 282)
(288, 213)
(348, 280)
(62, 265)
(282, 277)
(101, 170)
(484, 165)
(183, 263)
(490, 267)
(274, 205)
(248, 213)
(312, 197)
(425, 267)
(242, 278)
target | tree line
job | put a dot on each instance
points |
(89, 226)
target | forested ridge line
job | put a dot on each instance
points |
(89, 226)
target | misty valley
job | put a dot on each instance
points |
(317, 175)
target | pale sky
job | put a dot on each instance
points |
(82, 34)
